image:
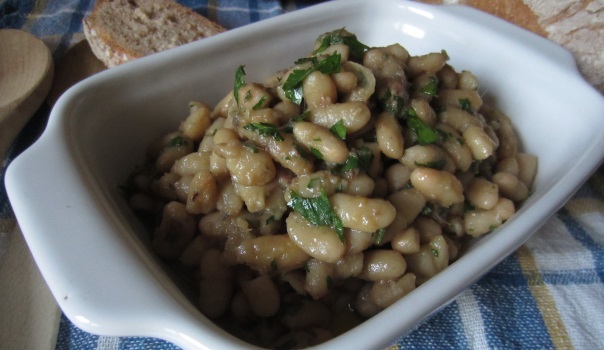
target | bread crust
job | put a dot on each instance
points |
(119, 31)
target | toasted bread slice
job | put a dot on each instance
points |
(122, 30)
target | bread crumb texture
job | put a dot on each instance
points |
(122, 30)
(577, 25)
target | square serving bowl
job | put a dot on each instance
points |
(92, 250)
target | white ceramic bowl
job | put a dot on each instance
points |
(92, 251)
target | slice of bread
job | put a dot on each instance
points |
(122, 30)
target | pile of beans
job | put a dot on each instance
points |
(302, 205)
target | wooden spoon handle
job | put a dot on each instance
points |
(26, 71)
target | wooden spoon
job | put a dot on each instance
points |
(26, 74)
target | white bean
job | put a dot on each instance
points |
(262, 295)
(319, 90)
(389, 135)
(382, 264)
(482, 193)
(318, 138)
(385, 293)
(355, 115)
(362, 213)
(407, 241)
(510, 186)
(320, 242)
(271, 253)
(481, 144)
(439, 186)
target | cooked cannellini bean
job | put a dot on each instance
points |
(321, 142)
(382, 264)
(195, 125)
(262, 295)
(362, 213)
(320, 242)
(428, 63)
(175, 232)
(202, 194)
(319, 278)
(271, 253)
(431, 259)
(481, 145)
(436, 185)
(386, 292)
(307, 314)
(527, 167)
(407, 241)
(510, 186)
(389, 136)
(319, 90)
(482, 193)
(479, 222)
(354, 115)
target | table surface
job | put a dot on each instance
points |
(548, 294)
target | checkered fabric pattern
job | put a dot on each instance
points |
(549, 294)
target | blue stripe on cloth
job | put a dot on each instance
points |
(511, 317)
(577, 231)
(444, 330)
(71, 337)
(13, 13)
(62, 23)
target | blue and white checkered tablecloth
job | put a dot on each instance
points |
(549, 294)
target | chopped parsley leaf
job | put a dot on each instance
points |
(437, 164)
(313, 182)
(392, 103)
(274, 265)
(316, 153)
(435, 252)
(341, 36)
(339, 129)
(176, 142)
(380, 233)
(265, 129)
(431, 89)
(292, 86)
(425, 134)
(465, 105)
(317, 210)
(260, 103)
(239, 82)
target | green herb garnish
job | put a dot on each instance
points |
(380, 233)
(274, 265)
(437, 164)
(339, 129)
(251, 147)
(342, 36)
(431, 89)
(239, 82)
(176, 142)
(427, 209)
(260, 103)
(392, 103)
(292, 86)
(465, 105)
(265, 129)
(425, 134)
(361, 160)
(316, 153)
(317, 210)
